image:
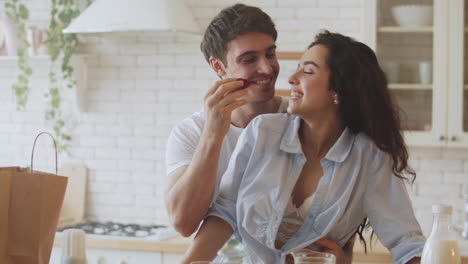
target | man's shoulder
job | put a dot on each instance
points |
(194, 121)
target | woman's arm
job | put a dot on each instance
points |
(414, 261)
(212, 235)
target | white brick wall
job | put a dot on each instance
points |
(140, 85)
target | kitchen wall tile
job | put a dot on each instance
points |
(102, 107)
(146, 153)
(152, 85)
(111, 176)
(133, 120)
(145, 200)
(178, 48)
(204, 12)
(84, 129)
(339, 3)
(155, 107)
(297, 3)
(176, 72)
(441, 165)
(138, 97)
(316, 13)
(103, 73)
(350, 12)
(156, 60)
(210, 3)
(100, 49)
(133, 48)
(132, 73)
(185, 61)
(104, 95)
(136, 165)
(281, 12)
(134, 141)
(103, 164)
(99, 141)
(443, 191)
(112, 85)
(114, 61)
(460, 178)
(103, 118)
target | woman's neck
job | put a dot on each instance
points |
(319, 135)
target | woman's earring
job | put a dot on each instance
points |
(335, 99)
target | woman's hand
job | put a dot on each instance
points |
(343, 255)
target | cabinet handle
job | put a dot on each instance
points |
(453, 138)
(441, 138)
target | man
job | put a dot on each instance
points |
(239, 43)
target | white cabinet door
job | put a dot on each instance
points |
(434, 111)
(458, 96)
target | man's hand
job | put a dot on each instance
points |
(189, 189)
(220, 101)
(343, 255)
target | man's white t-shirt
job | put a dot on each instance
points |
(185, 136)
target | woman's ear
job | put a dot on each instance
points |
(218, 66)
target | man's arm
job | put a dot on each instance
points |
(189, 189)
(212, 235)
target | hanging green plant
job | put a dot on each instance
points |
(61, 47)
(18, 13)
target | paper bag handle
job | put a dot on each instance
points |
(55, 145)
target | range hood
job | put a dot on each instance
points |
(135, 15)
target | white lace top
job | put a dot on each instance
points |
(292, 220)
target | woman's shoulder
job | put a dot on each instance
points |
(367, 148)
(276, 122)
(365, 144)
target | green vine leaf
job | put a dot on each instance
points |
(61, 47)
(18, 14)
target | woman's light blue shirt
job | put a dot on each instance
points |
(357, 182)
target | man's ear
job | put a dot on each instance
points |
(218, 66)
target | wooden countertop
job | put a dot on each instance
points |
(176, 245)
(376, 255)
(379, 254)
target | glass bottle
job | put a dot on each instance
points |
(441, 246)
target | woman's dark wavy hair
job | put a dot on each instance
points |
(365, 101)
(232, 22)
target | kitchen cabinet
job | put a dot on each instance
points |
(435, 112)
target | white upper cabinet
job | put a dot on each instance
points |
(424, 59)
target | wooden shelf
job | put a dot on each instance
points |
(405, 29)
(283, 92)
(289, 55)
(409, 86)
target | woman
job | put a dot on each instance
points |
(335, 161)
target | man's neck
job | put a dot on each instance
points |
(242, 116)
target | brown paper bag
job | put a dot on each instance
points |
(30, 203)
